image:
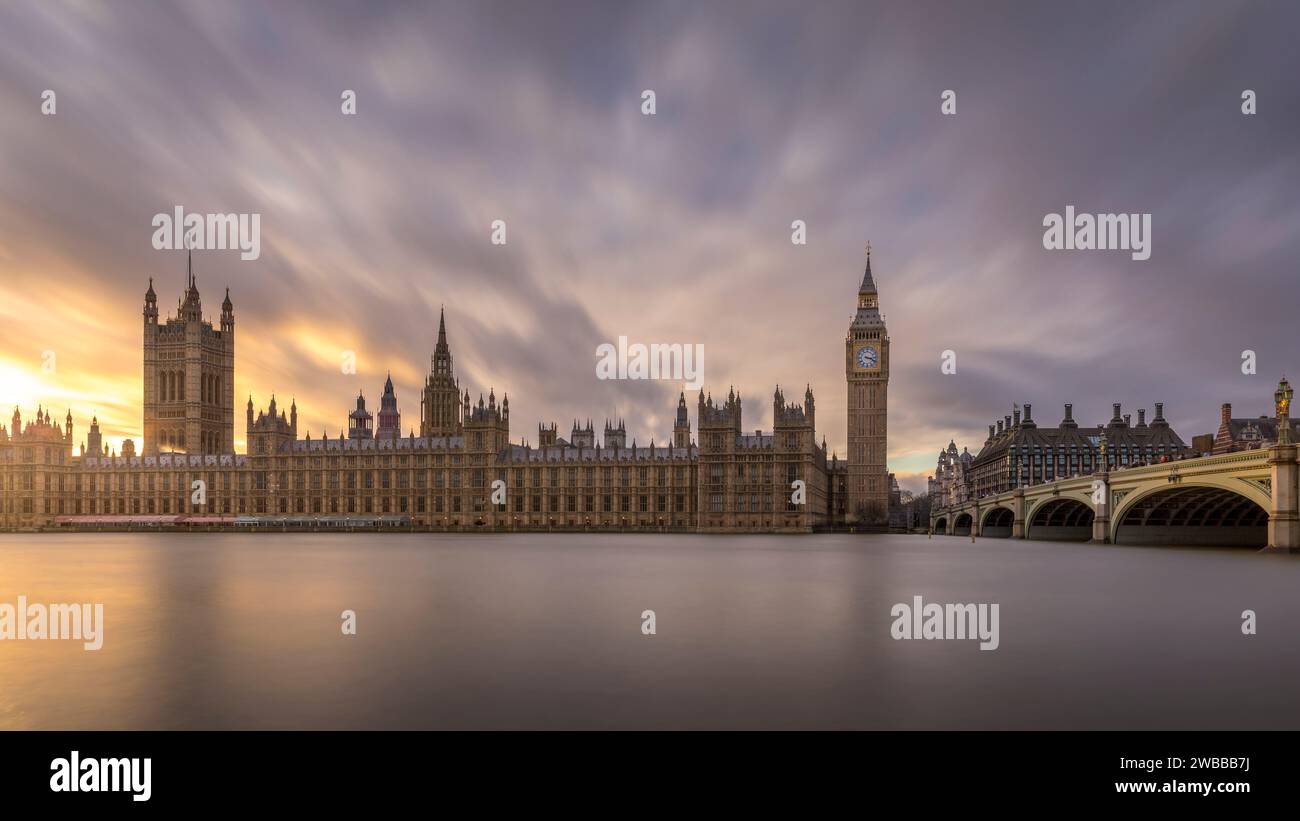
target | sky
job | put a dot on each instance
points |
(673, 227)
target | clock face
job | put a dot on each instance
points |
(867, 357)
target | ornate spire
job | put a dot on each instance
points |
(868, 283)
(868, 316)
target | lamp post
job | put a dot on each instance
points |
(1284, 512)
(1282, 406)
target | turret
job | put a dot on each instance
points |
(360, 420)
(682, 427)
(615, 437)
(583, 436)
(227, 314)
(546, 435)
(150, 305)
(94, 441)
(390, 419)
(191, 309)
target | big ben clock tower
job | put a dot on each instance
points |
(866, 368)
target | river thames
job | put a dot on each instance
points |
(532, 631)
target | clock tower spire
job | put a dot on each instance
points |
(866, 369)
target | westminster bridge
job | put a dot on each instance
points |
(1245, 498)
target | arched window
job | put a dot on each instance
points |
(162, 386)
(180, 385)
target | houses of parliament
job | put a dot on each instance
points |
(461, 473)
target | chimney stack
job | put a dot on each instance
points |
(1225, 413)
(1142, 417)
(1160, 412)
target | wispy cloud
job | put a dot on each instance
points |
(666, 228)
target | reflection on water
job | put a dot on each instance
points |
(544, 631)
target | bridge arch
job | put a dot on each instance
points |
(1209, 512)
(997, 522)
(1062, 519)
(962, 524)
(1036, 501)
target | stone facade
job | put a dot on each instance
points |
(951, 483)
(461, 473)
(189, 377)
(1018, 453)
(866, 369)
